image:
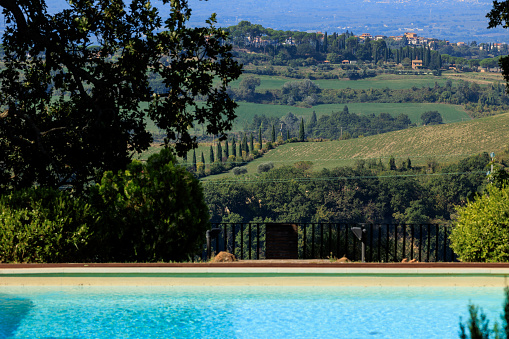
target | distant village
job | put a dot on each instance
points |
(247, 35)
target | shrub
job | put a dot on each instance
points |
(217, 168)
(481, 231)
(152, 212)
(239, 170)
(44, 225)
(265, 167)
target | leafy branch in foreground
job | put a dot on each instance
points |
(74, 110)
(477, 326)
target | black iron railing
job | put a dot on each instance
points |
(382, 242)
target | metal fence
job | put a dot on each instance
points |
(382, 242)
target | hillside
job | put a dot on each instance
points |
(443, 143)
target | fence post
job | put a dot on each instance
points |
(257, 241)
(242, 241)
(437, 248)
(304, 241)
(313, 241)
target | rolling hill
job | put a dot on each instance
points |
(443, 143)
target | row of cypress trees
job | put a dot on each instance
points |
(243, 147)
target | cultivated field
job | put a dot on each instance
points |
(443, 143)
(392, 81)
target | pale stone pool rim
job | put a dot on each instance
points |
(256, 274)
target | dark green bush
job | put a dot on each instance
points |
(151, 212)
(44, 225)
(265, 167)
(239, 170)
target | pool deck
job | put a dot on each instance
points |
(259, 273)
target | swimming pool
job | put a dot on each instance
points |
(240, 311)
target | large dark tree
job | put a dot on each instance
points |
(499, 16)
(75, 83)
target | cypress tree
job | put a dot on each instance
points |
(245, 147)
(260, 137)
(273, 133)
(234, 147)
(287, 134)
(194, 160)
(219, 152)
(302, 134)
(252, 143)
(226, 150)
(392, 164)
(211, 154)
(202, 158)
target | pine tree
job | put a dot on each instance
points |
(211, 155)
(302, 134)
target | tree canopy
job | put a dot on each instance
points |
(76, 83)
(499, 16)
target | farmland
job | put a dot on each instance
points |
(442, 143)
(392, 81)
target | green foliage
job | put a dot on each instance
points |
(239, 170)
(367, 193)
(302, 133)
(338, 124)
(71, 112)
(45, 225)
(431, 118)
(481, 232)
(477, 326)
(265, 167)
(296, 91)
(247, 87)
(151, 212)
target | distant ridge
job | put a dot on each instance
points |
(454, 20)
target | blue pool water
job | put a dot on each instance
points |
(240, 311)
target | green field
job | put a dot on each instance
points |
(443, 143)
(246, 112)
(450, 113)
(391, 81)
